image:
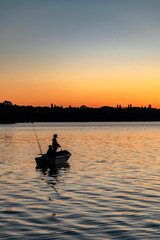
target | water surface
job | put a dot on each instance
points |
(111, 190)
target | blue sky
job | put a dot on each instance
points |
(79, 27)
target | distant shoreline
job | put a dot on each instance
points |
(19, 114)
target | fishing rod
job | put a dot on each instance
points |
(40, 149)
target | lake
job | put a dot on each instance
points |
(110, 190)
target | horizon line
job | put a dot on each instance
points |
(118, 106)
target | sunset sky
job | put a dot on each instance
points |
(80, 52)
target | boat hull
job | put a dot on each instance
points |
(60, 158)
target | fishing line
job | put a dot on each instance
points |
(79, 154)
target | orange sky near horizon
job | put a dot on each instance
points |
(93, 87)
(80, 53)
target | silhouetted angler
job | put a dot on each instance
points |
(50, 151)
(55, 144)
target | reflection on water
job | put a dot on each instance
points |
(111, 190)
(52, 176)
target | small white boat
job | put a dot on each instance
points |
(60, 158)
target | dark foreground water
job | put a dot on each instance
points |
(110, 191)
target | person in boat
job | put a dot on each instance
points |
(50, 151)
(55, 144)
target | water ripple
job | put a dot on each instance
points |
(110, 190)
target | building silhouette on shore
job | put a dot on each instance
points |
(10, 113)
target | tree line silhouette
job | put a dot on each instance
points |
(10, 113)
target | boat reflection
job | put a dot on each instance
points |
(53, 171)
(53, 176)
